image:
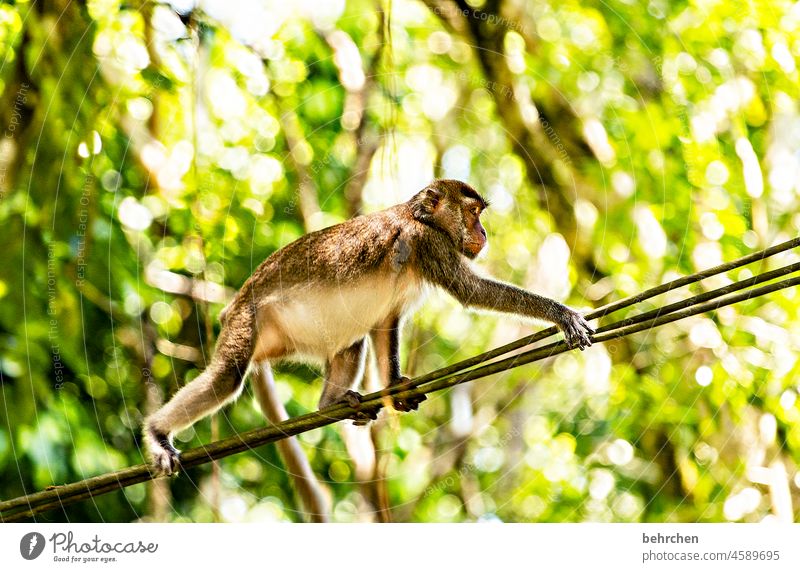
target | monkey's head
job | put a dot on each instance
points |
(454, 208)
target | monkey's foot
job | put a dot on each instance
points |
(363, 415)
(406, 404)
(165, 457)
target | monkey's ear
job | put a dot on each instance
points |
(431, 198)
(425, 204)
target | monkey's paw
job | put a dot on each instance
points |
(577, 331)
(406, 404)
(363, 415)
(165, 457)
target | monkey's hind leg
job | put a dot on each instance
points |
(386, 342)
(219, 384)
(342, 373)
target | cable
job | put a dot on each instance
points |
(54, 497)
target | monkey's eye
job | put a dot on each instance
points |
(476, 211)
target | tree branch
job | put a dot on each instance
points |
(313, 498)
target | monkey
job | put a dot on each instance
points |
(322, 296)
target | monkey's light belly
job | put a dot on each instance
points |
(324, 322)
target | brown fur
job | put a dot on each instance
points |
(322, 295)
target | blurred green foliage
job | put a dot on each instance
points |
(151, 157)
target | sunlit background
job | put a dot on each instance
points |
(153, 154)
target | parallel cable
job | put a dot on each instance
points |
(59, 496)
(613, 307)
(611, 332)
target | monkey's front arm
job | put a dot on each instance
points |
(472, 290)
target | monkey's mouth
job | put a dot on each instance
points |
(473, 249)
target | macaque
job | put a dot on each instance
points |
(323, 295)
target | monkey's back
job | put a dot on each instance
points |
(330, 287)
(341, 252)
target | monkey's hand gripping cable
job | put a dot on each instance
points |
(473, 368)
